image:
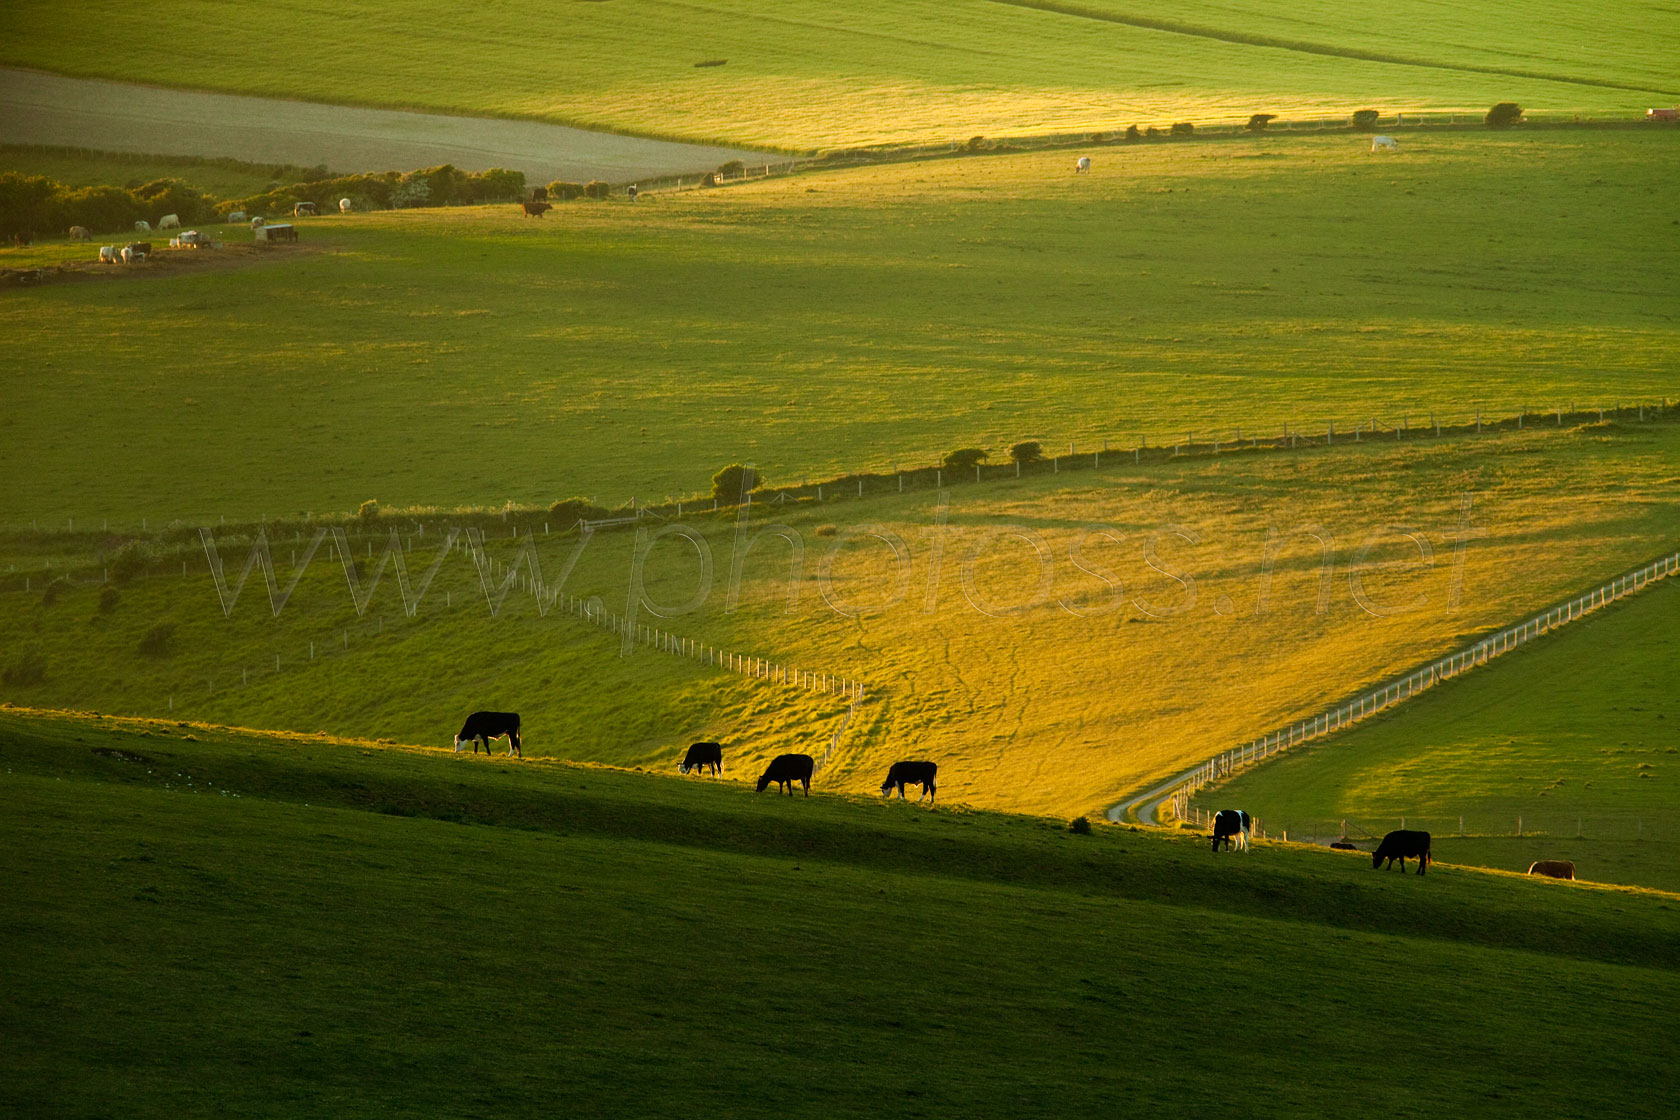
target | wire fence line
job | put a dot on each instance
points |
(1397, 691)
(1477, 825)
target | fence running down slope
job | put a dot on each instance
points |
(1178, 791)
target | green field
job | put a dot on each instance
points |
(1578, 736)
(847, 321)
(813, 75)
(202, 923)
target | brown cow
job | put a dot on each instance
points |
(536, 209)
(1553, 868)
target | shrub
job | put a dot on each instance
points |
(173, 196)
(27, 203)
(1365, 120)
(414, 190)
(1152, 132)
(569, 511)
(1133, 133)
(1080, 826)
(1504, 115)
(131, 559)
(734, 482)
(53, 591)
(562, 191)
(976, 144)
(108, 600)
(29, 668)
(1029, 451)
(496, 185)
(1259, 121)
(1183, 128)
(964, 458)
(368, 510)
(596, 188)
(158, 640)
(734, 167)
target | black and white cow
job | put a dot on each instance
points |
(702, 755)
(785, 769)
(1400, 844)
(925, 774)
(481, 727)
(1232, 825)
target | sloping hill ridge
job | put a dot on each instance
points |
(264, 924)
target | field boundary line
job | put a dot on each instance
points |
(1176, 792)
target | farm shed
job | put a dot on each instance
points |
(283, 232)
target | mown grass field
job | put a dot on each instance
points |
(1578, 736)
(809, 75)
(1149, 636)
(202, 922)
(849, 320)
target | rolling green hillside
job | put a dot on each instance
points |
(201, 923)
(848, 321)
(807, 74)
(1578, 736)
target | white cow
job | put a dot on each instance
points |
(1384, 144)
(107, 254)
(257, 222)
(170, 221)
(235, 217)
(344, 206)
(1084, 164)
(129, 255)
(142, 226)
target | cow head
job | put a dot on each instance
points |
(1376, 858)
(763, 782)
(458, 742)
(683, 767)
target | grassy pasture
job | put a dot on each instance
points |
(846, 321)
(1055, 698)
(1577, 734)
(807, 75)
(78, 167)
(234, 923)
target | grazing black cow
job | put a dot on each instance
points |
(1400, 844)
(925, 774)
(702, 755)
(1553, 868)
(539, 194)
(481, 727)
(1232, 825)
(23, 237)
(1343, 846)
(785, 769)
(536, 209)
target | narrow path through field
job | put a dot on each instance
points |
(40, 108)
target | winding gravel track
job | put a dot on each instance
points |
(40, 108)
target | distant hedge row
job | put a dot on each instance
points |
(446, 185)
(38, 205)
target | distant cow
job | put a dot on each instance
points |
(702, 755)
(1401, 844)
(536, 209)
(924, 774)
(142, 248)
(786, 769)
(23, 237)
(258, 222)
(345, 206)
(481, 727)
(630, 192)
(303, 209)
(1553, 868)
(80, 233)
(142, 226)
(1083, 164)
(169, 221)
(1343, 846)
(539, 194)
(1384, 144)
(107, 254)
(1232, 825)
(235, 217)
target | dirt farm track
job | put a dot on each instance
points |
(40, 108)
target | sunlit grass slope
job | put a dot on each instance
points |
(1053, 642)
(1578, 736)
(200, 922)
(848, 321)
(807, 74)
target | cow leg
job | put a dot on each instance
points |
(513, 745)
(806, 782)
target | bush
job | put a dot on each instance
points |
(368, 510)
(733, 168)
(964, 459)
(108, 600)
(1504, 115)
(1259, 121)
(1365, 120)
(562, 191)
(731, 485)
(29, 668)
(131, 559)
(158, 640)
(1152, 132)
(1183, 128)
(413, 191)
(595, 188)
(1080, 826)
(1133, 133)
(496, 185)
(173, 196)
(1030, 451)
(569, 511)
(28, 204)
